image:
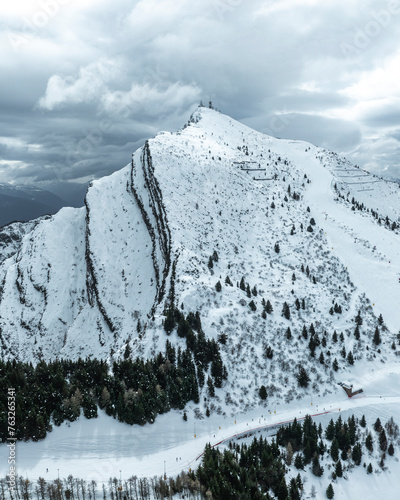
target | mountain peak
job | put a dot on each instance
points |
(194, 216)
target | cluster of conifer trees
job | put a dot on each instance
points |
(134, 391)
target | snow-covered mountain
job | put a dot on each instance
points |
(215, 202)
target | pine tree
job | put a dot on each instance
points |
(369, 442)
(210, 263)
(329, 492)
(228, 281)
(242, 285)
(252, 305)
(281, 490)
(218, 286)
(330, 430)
(334, 337)
(339, 469)
(127, 352)
(350, 358)
(262, 392)
(269, 352)
(352, 429)
(294, 493)
(277, 248)
(357, 333)
(211, 389)
(248, 292)
(369, 468)
(391, 449)
(268, 307)
(288, 333)
(302, 377)
(358, 319)
(298, 461)
(217, 370)
(377, 338)
(305, 332)
(363, 422)
(380, 320)
(377, 425)
(356, 454)
(335, 365)
(286, 311)
(334, 451)
(316, 468)
(383, 440)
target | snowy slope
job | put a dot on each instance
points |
(11, 237)
(82, 279)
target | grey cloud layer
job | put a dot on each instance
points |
(94, 81)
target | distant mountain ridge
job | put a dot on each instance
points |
(24, 203)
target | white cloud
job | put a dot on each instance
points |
(273, 6)
(88, 86)
(150, 100)
(381, 82)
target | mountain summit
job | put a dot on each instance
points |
(273, 242)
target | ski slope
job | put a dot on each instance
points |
(96, 450)
(371, 253)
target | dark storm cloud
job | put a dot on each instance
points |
(95, 79)
(338, 135)
(385, 116)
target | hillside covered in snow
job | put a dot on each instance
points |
(254, 274)
(298, 239)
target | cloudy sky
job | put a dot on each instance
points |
(85, 82)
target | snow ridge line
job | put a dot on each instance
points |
(159, 213)
(161, 235)
(91, 279)
(151, 232)
(3, 283)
